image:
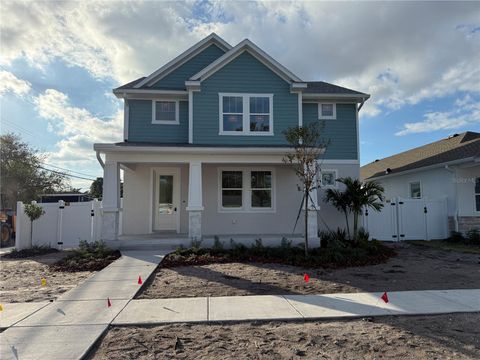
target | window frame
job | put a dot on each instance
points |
(410, 189)
(238, 189)
(245, 116)
(246, 191)
(335, 184)
(165, 122)
(475, 194)
(330, 117)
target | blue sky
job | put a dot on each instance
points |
(420, 61)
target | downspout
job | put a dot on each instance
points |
(100, 161)
(455, 215)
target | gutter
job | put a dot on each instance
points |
(100, 161)
(455, 214)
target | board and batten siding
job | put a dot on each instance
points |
(244, 74)
(141, 129)
(342, 131)
(176, 79)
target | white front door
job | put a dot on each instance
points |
(166, 200)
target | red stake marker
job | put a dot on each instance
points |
(306, 277)
(140, 282)
(109, 303)
(384, 297)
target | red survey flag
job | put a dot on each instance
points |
(109, 303)
(140, 282)
(306, 277)
(384, 297)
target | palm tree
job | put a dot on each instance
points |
(356, 196)
(340, 201)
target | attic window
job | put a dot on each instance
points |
(165, 112)
(327, 111)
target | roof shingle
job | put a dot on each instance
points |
(456, 147)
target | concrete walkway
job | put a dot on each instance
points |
(297, 307)
(68, 328)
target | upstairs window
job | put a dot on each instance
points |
(477, 194)
(415, 190)
(165, 112)
(327, 111)
(246, 114)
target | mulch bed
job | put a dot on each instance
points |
(75, 262)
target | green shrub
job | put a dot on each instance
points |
(473, 237)
(196, 244)
(456, 237)
(285, 243)
(217, 244)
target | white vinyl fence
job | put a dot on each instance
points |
(408, 219)
(62, 225)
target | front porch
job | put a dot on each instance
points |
(173, 196)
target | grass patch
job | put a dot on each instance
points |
(88, 257)
(35, 250)
(447, 245)
(336, 255)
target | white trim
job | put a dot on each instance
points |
(123, 93)
(246, 190)
(330, 117)
(126, 119)
(409, 191)
(335, 184)
(299, 85)
(246, 45)
(165, 122)
(190, 116)
(154, 172)
(300, 110)
(245, 116)
(358, 98)
(475, 194)
(357, 124)
(184, 57)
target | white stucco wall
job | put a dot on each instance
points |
(137, 212)
(435, 183)
(465, 183)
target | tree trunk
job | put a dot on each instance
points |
(348, 226)
(306, 223)
(31, 235)
(355, 227)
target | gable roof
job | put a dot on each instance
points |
(183, 58)
(457, 147)
(321, 87)
(259, 54)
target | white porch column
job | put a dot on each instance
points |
(195, 201)
(110, 201)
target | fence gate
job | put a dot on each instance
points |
(408, 219)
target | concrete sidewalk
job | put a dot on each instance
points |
(297, 307)
(67, 328)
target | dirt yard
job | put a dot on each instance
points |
(421, 337)
(20, 279)
(414, 268)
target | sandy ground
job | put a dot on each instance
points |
(420, 337)
(414, 268)
(20, 279)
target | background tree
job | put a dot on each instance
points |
(96, 189)
(308, 146)
(356, 196)
(21, 174)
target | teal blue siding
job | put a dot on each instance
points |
(176, 79)
(141, 129)
(342, 131)
(245, 74)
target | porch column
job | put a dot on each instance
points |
(195, 202)
(110, 201)
(313, 207)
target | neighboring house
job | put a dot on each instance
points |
(446, 168)
(203, 145)
(69, 198)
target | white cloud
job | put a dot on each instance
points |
(10, 83)
(466, 113)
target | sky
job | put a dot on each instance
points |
(419, 61)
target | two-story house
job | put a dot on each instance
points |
(203, 146)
